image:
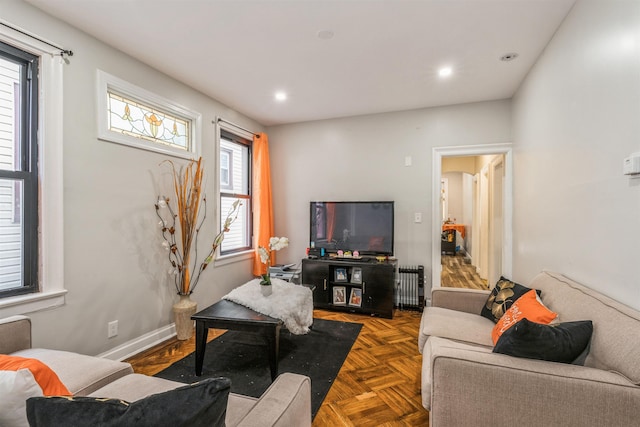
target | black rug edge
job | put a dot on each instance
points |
(321, 395)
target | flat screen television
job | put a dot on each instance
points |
(366, 227)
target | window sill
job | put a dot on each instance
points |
(237, 257)
(30, 303)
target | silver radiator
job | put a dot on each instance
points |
(409, 293)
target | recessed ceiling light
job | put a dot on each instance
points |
(281, 96)
(325, 34)
(445, 71)
(509, 56)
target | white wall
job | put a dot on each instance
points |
(114, 267)
(576, 117)
(455, 200)
(363, 158)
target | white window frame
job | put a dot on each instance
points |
(107, 82)
(50, 175)
(241, 255)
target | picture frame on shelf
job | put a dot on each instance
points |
(355, 299)
(340, 275)
(339, 295)
(356, 275)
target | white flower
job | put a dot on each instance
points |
(172, 272)
(166, 245)
(162, 202)
(264, 255)
(277, 243)
(160, 224)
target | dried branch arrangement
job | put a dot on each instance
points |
(187, 182)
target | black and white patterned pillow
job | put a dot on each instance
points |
(503, 295)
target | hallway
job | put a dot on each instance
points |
(458, 274)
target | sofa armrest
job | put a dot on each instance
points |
(15, 334)
(467, 300)
(475, 388)
(287, 402)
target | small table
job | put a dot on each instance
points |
(458, 227)
(228, 315)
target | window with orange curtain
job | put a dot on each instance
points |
(235, 183)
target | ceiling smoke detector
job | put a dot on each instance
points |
(509, 56)
(325, 34)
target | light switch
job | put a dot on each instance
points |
(407, 161)
(417, 217)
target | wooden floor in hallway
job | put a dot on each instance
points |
(456, 273)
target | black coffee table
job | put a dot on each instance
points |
(228, 315)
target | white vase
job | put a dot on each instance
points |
(266, 290)
(182, 312)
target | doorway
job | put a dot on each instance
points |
(493, 254)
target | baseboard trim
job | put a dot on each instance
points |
(144, 342)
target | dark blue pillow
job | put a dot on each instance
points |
(201, 404)
(566, 342)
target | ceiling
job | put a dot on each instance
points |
(384, 55)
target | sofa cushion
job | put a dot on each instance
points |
(137, 386)
(81, 374)
(432, 345)
(134, 387)
(564, 342)
(200, 404)
(528, 306)
(505, 293)
(455, 325)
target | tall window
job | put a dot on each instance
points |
(235, 183)
(18, 171)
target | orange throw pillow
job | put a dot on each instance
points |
(45, 377)
(526, 307)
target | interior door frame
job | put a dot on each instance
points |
(436, 226)
(496, 208)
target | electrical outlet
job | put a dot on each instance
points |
(112, 329)
(417, 217)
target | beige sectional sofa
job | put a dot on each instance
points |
(287, 402)
(464, 383)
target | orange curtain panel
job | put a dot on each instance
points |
(262, 204)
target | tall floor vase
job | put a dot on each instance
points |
(182, 312)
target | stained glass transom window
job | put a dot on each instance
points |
(140, 120)
(133, 116)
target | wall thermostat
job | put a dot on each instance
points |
(632, 165)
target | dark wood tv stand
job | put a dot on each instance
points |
(373, 291)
